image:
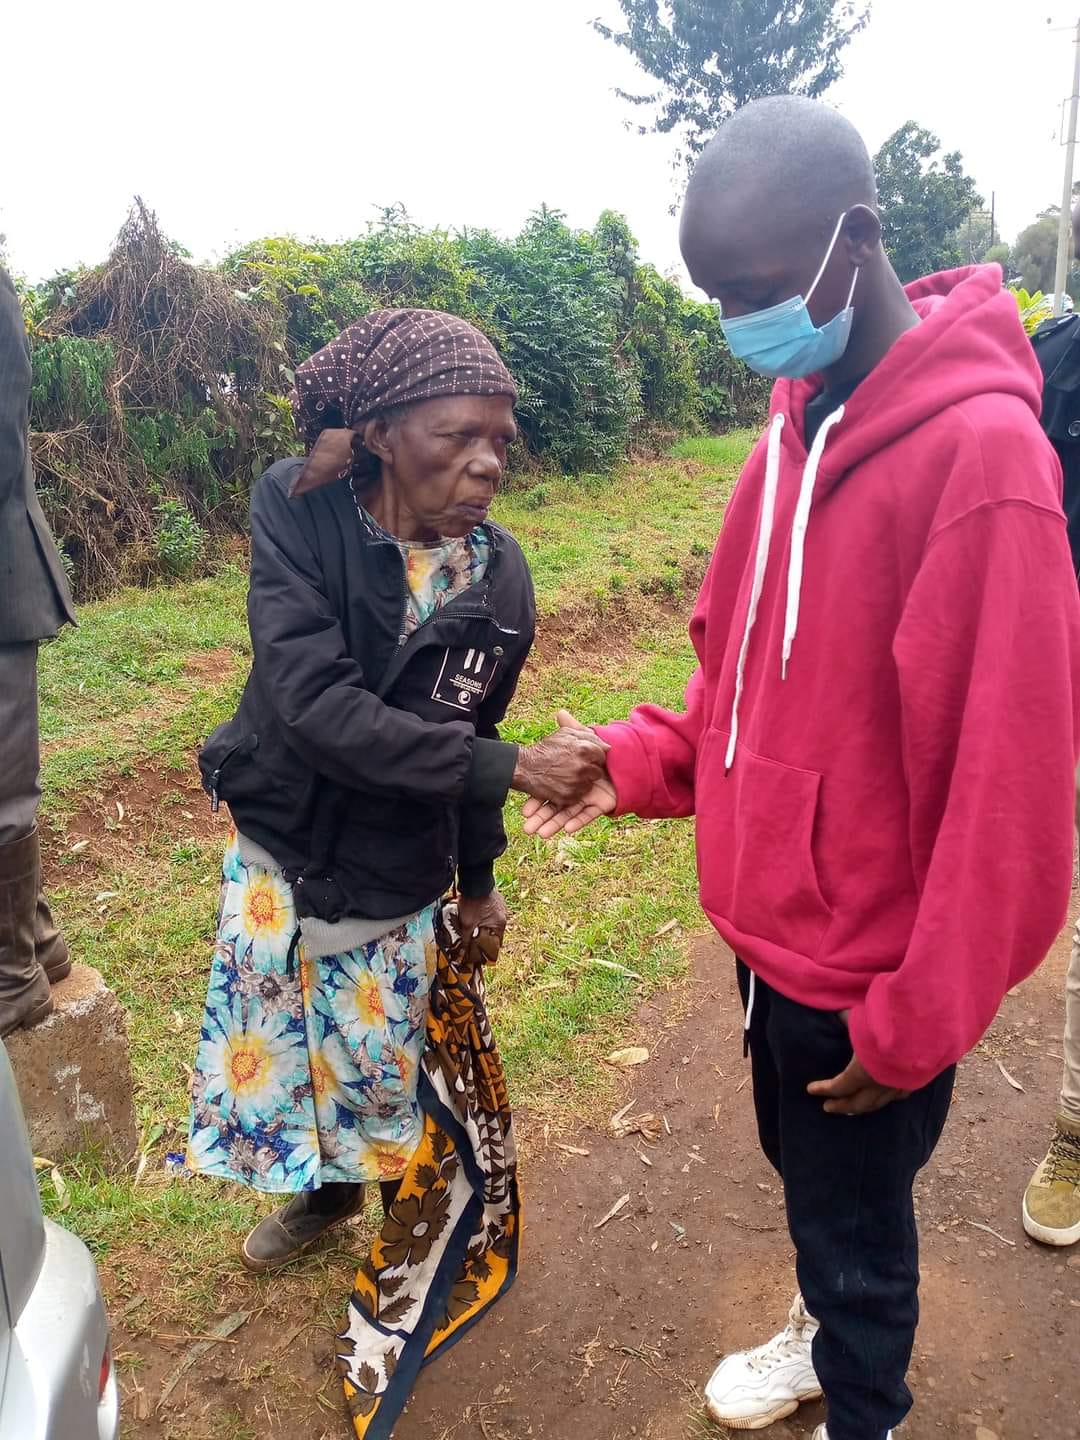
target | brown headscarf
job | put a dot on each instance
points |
(385, 359)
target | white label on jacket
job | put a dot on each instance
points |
(464, 678)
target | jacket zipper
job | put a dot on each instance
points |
(248, 744)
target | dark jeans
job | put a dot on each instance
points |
(847, 1187)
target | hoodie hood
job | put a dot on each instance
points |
(969, 341)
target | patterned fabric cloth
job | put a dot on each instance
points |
(306, 1069)
(449, 1247)
(387, 358)
(307, 1066)
(436, 573)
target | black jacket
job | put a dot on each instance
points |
(1057, 349)
(371, 770)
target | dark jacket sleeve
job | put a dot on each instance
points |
(14, 389)
(483, 833)
(318, 690)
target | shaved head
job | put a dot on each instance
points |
(800, 153)
(765, 199)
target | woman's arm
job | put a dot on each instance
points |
(339, 726)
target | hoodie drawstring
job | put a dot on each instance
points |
(761, 560)
(751, 994)
(798, 535)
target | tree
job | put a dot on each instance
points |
(972, 238)
(708, 57)
(1034, 256)
(1000, 254)
(924, 202)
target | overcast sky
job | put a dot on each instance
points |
(235, 119)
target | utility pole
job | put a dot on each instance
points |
(1065, 219)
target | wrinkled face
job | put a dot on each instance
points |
(445, 458)
(748, 253)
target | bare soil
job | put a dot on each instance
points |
(130, 809)
(611, 1330)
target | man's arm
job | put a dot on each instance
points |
(14, 389)
(652, 756)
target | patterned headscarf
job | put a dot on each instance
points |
(385, 359)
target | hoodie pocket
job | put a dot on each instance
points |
(755, 839)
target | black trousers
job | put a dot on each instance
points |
(848, 1191)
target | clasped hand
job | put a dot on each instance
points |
(565, 776)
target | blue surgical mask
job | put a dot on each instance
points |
(782, 340)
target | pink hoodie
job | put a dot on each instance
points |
(885, 821)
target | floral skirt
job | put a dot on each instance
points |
(306, 1070)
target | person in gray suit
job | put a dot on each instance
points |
(34, 604)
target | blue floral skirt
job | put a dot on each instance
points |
(307, 1067)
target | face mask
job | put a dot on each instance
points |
(782, 340)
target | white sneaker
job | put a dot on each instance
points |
(822, 1434)
(753, 1388)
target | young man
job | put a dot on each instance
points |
(879, 742)
(1051, 1208)
(34, 604)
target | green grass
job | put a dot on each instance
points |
(126, 649)
(121, 702)
(723, 450)
(632, 527)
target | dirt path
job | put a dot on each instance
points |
(609, 1331)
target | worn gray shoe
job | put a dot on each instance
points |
(295, 1226)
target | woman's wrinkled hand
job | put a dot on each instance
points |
(482, 912)
(563, 767)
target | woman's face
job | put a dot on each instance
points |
(443, 460)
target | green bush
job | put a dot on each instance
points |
(154, 377)
(69, 376)
(179, 539)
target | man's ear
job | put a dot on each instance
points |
(376, 438)
(861, 233)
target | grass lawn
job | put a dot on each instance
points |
(134, 858)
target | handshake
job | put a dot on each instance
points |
(566, 779)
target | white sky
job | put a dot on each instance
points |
(237, 119)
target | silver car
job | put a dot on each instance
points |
(56, 1377)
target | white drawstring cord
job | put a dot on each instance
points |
(761, 560)
(798, 535)
(750, 1003)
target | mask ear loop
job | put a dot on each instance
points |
(851, 292)
(828, 257)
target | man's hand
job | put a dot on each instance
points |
(564, 767)
(546, 818)
(482, 912)
(854, 1091)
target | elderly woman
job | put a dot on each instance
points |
(363, 769)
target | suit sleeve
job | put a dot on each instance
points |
(14, 389)
(338, 725)
(988, 660)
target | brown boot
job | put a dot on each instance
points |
(49, 944)
(24, 986)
